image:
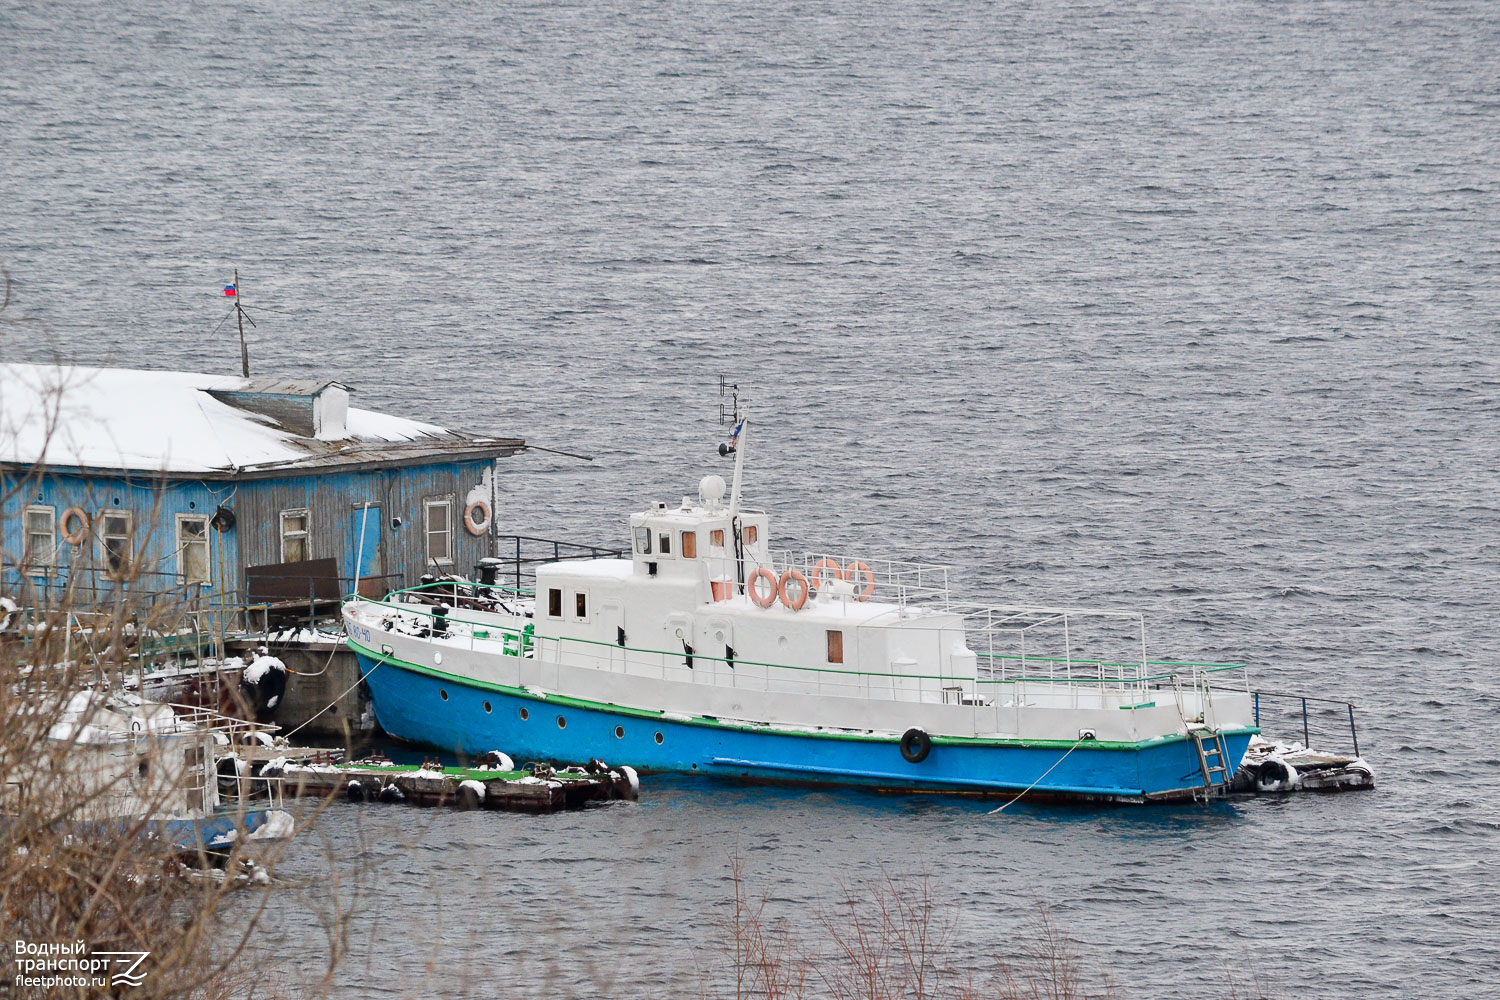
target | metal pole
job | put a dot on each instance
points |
(239, 315)
(1306, 740)
(1352, 734)
(1257, 710)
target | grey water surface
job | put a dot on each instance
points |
(1183, 307)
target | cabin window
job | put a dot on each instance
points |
(114, 532)
(643, 540)
(690, 545)
(581, 606)
(716, 537)
(41, 537)
(750, 534)
(192, 548)
(554, 603)
(835, 646)
(439, 530)
(666, 543)
(296, 540)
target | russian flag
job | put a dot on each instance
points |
(229, 290)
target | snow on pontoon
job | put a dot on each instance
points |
(707, 652)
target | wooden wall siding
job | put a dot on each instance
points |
(331, 500)
(153, 506)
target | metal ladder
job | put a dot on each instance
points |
(1213, 758)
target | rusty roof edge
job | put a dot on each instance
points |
(308, 466)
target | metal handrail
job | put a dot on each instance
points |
(521, 639)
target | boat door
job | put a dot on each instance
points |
(367, 550)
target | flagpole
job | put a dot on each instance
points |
(240, 315)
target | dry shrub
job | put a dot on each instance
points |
(74, 873)
(890, 940)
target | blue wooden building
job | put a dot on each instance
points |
(227, 491)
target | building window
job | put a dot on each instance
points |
(439, 530)
(114, 532)
(192, 548)
(296, 539)
(716, 537)
(666, 543)
(41, 537)
(835, 646)
(690, 545)
(750, 534)
(643, 540)
(554, 603)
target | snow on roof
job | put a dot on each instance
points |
(169, 422)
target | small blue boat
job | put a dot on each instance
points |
(708, 652)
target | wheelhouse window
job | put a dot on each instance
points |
(690, 545)
(554, 602)
(750, 534)
(114, 532)
(581, 606)
(666, 543)
(643, 540)
(835, 646)
(439, 530)
(716, 537)
(41, 537)
(192, 548)
(296, 535)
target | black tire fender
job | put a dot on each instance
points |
(915, 745)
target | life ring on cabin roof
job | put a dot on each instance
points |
(824, 567)
(477, 518)
(796, 579)
(78, 534)
(856, 569)
(767, 597)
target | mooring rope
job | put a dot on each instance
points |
(1038, 781)
(351, 687)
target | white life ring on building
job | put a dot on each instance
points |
(477, 518)
(76, 535)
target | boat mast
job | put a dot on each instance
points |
(739, 465)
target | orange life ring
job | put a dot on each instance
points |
(794, 577)
(764, 598)
(859, 568)
(477, 518)
(75, 536)
(822, 567)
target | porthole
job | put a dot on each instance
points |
(437, 658)
(658, 739)
(442, 694)
(562, 723)
(525, 715)
(619, 732)
(487, 708)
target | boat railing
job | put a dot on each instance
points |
(463, 595)
(1327, 716)
(1079, 682)
(886, 579)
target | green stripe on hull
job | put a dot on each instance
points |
(569, 701)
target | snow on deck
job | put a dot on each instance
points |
(161, 421)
